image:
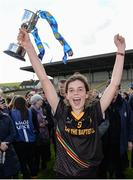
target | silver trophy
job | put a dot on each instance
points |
(29, 21)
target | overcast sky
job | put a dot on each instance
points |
(87, 25)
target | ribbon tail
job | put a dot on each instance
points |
(38, 43)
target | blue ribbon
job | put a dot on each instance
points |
(54, 26)
(38, 43)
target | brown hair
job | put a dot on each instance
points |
(20, 104)
(75, 77)
(83, 79)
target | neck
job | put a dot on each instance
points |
(77, 112)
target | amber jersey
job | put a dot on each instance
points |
(78, 140)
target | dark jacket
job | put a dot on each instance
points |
(7, 134)
(126, 122)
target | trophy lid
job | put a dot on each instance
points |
(16, 51)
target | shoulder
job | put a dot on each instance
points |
(61, 108)
(95, 110)
(94, 106)
(5, 117)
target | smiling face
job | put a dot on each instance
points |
(76, 95)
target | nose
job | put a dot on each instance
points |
(76, 91)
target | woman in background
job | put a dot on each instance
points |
(25, 138)
(9, 163)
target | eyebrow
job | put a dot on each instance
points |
(77, 87)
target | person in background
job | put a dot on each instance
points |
(118, 138)
(28, 95)
(51, 126)
(130, 91)
(9, 163)
(24, 141)
(43, 138)
(61, 88)
(3, 105)
(79, 150)
(125, 95)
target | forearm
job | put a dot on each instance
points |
(47, 86)
(118, 68)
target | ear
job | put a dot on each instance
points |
(87, 95)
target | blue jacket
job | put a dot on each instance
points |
(24, 128)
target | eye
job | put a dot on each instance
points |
(80, 89)
(71, 90)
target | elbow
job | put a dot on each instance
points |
(116, 85)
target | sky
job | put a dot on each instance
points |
(88, 26)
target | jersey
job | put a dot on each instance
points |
(78, 140)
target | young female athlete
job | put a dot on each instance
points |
(79, 149)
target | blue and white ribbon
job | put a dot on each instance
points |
(54, 26)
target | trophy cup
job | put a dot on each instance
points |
(29, 21)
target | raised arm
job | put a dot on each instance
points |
(116, 74)
(50, 92)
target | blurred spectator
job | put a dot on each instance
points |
(61, 88)
(25, 138)
(125, 95)
(117, 139)
(9, 163)
(43, 138)
(130, 90)
(28, 95)
(3, 105)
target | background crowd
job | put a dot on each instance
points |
(27, 131)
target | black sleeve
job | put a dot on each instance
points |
(131, 102)
(35, 121)
(97, 112)
(12, 132)
(61, 109)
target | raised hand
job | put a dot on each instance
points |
(120, 42)
(23, 38)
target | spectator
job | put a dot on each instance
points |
(28, 95)
(43, 132)
(25, 138)
(9, 163)
(117, 139)
(61, 88)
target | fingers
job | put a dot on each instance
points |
(21, 35)
(118, 37)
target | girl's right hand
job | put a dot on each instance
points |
(23, 38)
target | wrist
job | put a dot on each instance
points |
(28, 45)
(122, 50)
(120, 53)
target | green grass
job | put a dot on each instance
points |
(48, 172)
(129, 171)
(10, 84)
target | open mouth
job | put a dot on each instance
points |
(76, 101)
